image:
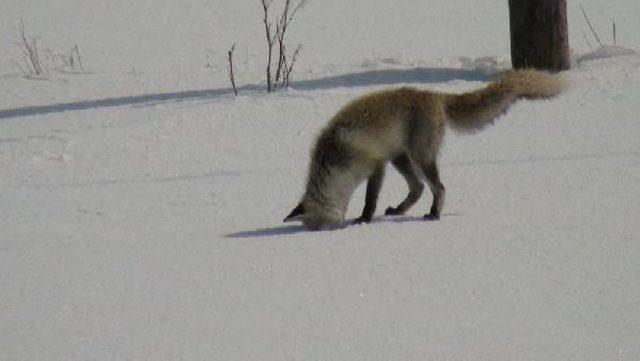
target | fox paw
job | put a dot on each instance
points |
(431, 216)
(361, 219)
(392, 211)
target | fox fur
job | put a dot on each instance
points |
(406, 127)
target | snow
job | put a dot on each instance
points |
(141, 203)
(606, 51)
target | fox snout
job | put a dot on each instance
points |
(314, 219)
(295, 215)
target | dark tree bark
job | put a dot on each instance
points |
(539, 36)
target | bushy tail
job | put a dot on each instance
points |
(471, 111)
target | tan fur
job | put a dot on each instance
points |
(472, 111)
(399, 124)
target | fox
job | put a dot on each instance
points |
(404, 126)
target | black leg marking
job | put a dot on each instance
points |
(405, 166)
(371, 199)
(437, 189)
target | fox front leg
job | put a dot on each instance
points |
(371, 198)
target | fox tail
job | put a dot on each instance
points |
(472, 111)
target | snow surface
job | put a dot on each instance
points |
(141, 203)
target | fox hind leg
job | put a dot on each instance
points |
(407, 169)
(430, 170)
(371, 198)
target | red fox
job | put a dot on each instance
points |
(405, 126)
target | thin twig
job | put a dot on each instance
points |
(233, 81)
(78, 56)
(27, 49)
(30, 49)
(614, 32)
(295, 10)
(270, 40)
(289, 69)
(281, 29)
(590, 26)
(285, 20)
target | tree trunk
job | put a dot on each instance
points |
(539, 37)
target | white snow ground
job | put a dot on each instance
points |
(140, 218)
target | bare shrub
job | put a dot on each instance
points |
(33, 64)
(595, 33)
(277, 36)
(69, 61)
(31, 59)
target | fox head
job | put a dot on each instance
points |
(331, 180)
(315, 215)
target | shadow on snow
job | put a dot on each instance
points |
(269, 232)
(295, 229)
(368, 78)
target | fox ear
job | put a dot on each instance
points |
(295, 213)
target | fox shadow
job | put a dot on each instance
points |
(269, 232)
(296, 229)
